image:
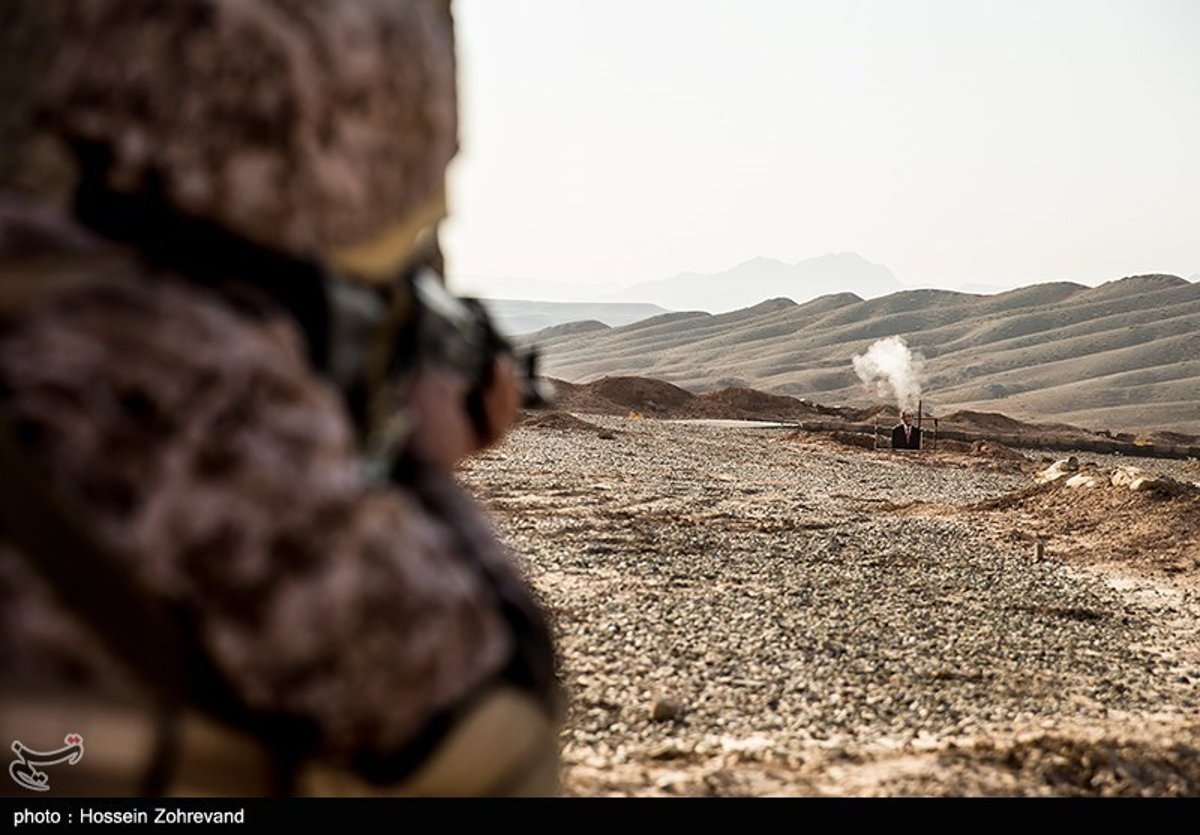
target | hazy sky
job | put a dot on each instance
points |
(606, 142)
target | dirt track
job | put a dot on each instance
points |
(740, 614)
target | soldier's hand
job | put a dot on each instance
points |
(443, 432)
(501, 400)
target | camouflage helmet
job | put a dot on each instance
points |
(318, 128)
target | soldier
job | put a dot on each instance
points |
(231, 399)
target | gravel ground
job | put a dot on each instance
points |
(742, 615)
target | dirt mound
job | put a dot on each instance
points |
(885, 414)
(1173, 438)
(562, 421)
(1148, 530)
(1103, 766)
(573, 397)
(621, 395)
(987, 455)
(995, 450)
(997, 423)
(656, 398)
(986, 421)
(854, 439)
(641, 394)
(831, 440)
(746, 404)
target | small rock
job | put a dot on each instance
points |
(668, 751)
(1057, 470)
(665, 710)
(1127, 475)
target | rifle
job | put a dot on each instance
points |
(458, 334)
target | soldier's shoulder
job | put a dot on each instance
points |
(57, 279)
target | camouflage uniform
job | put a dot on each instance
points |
(190, 431)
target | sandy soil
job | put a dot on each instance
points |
(743, 612)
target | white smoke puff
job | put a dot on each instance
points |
(891, 370)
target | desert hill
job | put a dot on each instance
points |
(1124, 356)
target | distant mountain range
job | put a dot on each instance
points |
(761, 278)
(1122, 356)
(741, 286)
(516, 316)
